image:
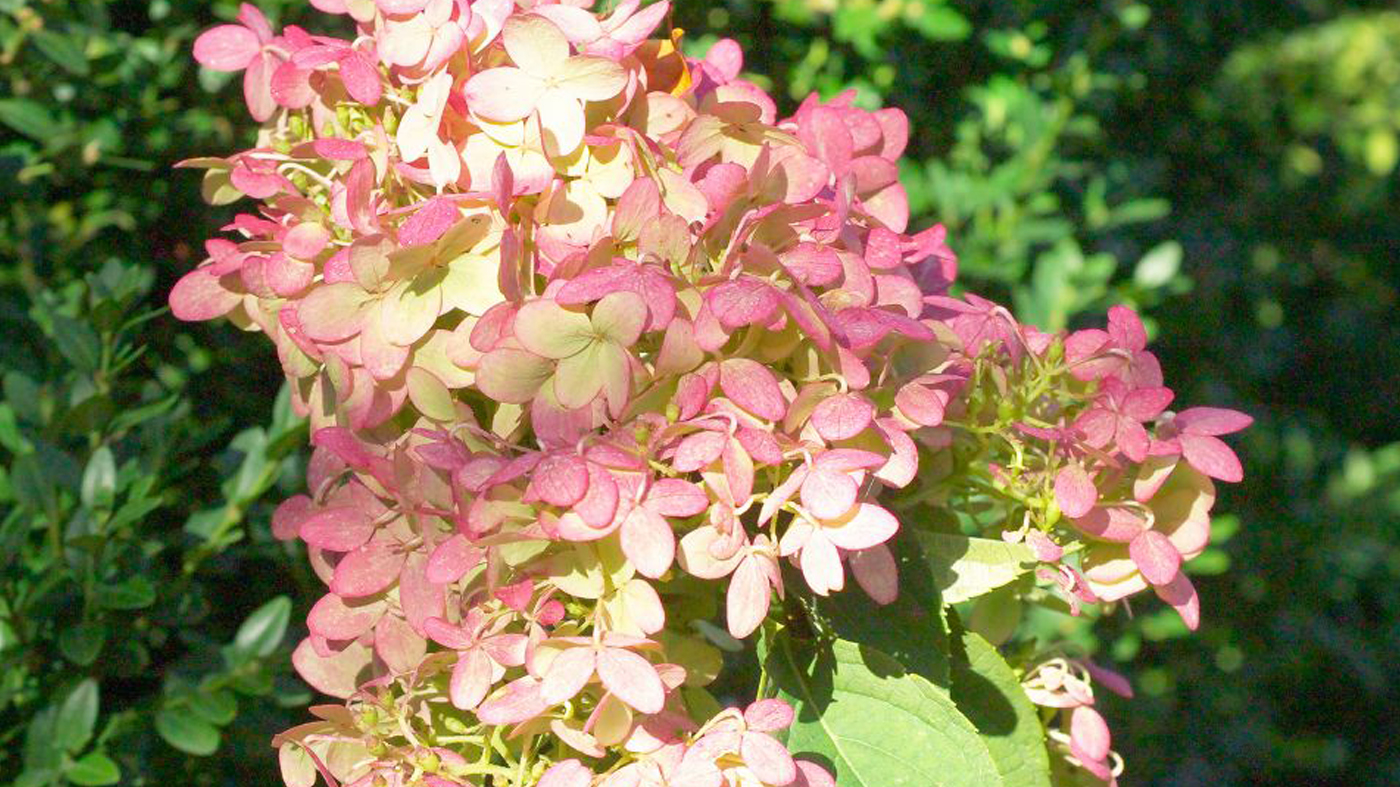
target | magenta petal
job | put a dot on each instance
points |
(1075, 491)
(1211, 456)
(632, 679)
(842, 416)
(333, 619)
(338, 529)
(1181, 594)
(226, 48)
(452, 559)
(753, 387)
(743, 301)
(1156, 557)
(676, 497)
(367, 570)
(1212, 420)
(199, 296)
(560, 480)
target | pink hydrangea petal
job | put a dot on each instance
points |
(471, 679)
(199, 296)
(1156, 557)
(648, 542)
(567, 675)
(1211, 456)
(828, 494)
(632, 679)
(876, 572)
(843, 416)
(339, 675)
(1089, 732)
(676, 497)
(753, 387)
(367, 570)
(767, 758)
(569, 773)
(1075, 491)
(870, 525)
(340, 529)
(747, 599)
(519, 701)
(503, 94)
(1213, 421)
(226, 48)
(1181, 595)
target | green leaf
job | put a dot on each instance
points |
(134, 592)
(94, 769)
(33, 487)
(29, 118)
(1158, 266)
(80, 644)
(62, 49)
(76, 716)
(184, 730)
(967, 567)
(216, 707)
(262, 632)
(941, 23)
(77, 341)
(988, 693)
(100, 479)
(874, 723)
(911, 628)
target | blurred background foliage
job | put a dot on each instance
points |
(1229, 168)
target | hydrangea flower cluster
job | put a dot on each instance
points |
(592, 343)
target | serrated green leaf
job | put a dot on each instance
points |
(77, 715)
(911, 629)
(986, 690)
(94, 769)
(967, 567)
(262, 632)
(134, 592)
(65, 50)
(184, 730)
(29, 118)
(874, 723)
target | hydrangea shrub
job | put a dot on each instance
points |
(609, 369)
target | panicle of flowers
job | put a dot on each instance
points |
(591, 341)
